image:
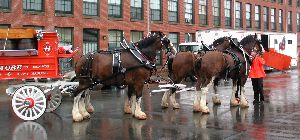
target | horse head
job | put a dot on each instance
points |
(153, 43)
(250, 43)
(221, 44)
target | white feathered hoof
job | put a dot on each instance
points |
(141, 116)
(204, 110)
(127, 110)
(90, 109)
(244, 104)
(196, 108)
(77, 117)
(164, 105)
(176, 106)
(86, 115)
(216, 100)
(234, 102)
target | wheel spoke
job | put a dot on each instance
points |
(34, 111)
(38, 109)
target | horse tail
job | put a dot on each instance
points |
(198, 63)
(170, 63)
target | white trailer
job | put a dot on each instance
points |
(284, 43)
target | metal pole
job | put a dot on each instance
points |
(148, 22)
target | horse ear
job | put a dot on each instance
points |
(255, 36)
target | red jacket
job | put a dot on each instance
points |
(257, 69)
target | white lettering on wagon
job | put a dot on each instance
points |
(39, 73)
(41, 66)
(11, 67)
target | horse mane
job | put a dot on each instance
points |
(247, 39)
(147, 41)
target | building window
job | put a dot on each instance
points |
(216, 12)
(290, 2)
(289, 21)
(4, 25)
(136, 9)
(257, 17)
(238, 15)
(115, 8)
(189, 37)
(90, 7)
(280, 1)
(298, 22)
(273, 0)
(64, 6)
(248, 16)
(298, 3)
(114, 39)
(35, 27)
(155, 7)
(90, 40)
(188, 15)
(203, 12)
(173, 10)
(280, 19)
(266, 18)
(227, 8)
(4, 4)
(136, 36)
(173, 37)
(66, 39)
(273, 19)
(33, 5)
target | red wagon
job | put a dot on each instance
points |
(30, 54)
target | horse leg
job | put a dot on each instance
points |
(215, 98)
(196, 105)
(233, 100)
(138, 113)
(203, 107)
(127, 105)
(174, 104)
(164, 99)
(244, 101)
(88, 104)
(82, 107)
(75, 111)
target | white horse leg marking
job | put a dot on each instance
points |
(88, 104)
(233, 100)
(215, 98)
(244, 101)
(196, 106)
(139, 114)
(203, 107)
(133, 104)
(75, 112)
(127, 108)
(164, 99)
(82, 107)
(173, 101)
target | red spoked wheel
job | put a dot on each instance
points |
(29, 102)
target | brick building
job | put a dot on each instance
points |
(101, 24)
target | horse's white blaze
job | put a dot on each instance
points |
(244, 102)
(82, 109)
(173, 101)
(164, 100)
(75, 112)
(88, 105)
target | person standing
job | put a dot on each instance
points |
(257, 74)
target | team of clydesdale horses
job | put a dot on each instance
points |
(226, 60)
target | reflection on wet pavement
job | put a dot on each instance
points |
(277, 118)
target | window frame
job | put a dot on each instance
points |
(216, 13)
(266, 18)
(188, 13)
(114, 5)
(33, 4)
(257, 11)
(156, 14)
(203, 13)
(6, 9)
(240, 19)
(249, 14)
(60, 12)
(135, 9)
(86, 40)
(173, 14)
(90, 8)
(116, 42)
(226, 14)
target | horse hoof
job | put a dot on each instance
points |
(244, 105)
(176, 106)
(77, 118)
(217, 103)
(164, 105)
(141, 117)
(127, 110)
(90, 109)
(85, 117)
(196, 108)
(234, 103)
(205, 110)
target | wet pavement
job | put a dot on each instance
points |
(277, 118)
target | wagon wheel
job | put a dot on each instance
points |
(29, 102)
(53, 100)
(29, 130)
